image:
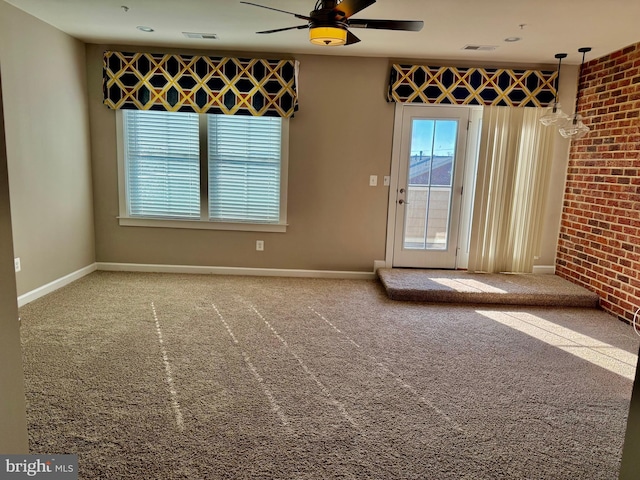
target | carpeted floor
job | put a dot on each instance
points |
(459, 286)
(159, 376)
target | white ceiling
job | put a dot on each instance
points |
(550, 26)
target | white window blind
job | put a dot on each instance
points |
(244, 168)
(187, 170)
(162, 164)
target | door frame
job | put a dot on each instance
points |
(470, 160)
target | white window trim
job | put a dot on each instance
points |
(125, 220)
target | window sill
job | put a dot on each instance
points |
(201, 225)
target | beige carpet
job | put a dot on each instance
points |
(456, 286)
(158, 376)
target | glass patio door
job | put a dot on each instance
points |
(429, 189)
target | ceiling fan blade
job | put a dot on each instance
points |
(407, 25)
(299, 27)
(278, 10)
(351, 38)
(351, 7)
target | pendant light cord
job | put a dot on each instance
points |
(558, 78)
(559, 56)
(584, 51)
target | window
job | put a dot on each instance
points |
(244, 168)
(162, 164)
(202, 171)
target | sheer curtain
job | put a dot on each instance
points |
(513, 178)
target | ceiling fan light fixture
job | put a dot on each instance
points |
(330, 20)
(328, 36)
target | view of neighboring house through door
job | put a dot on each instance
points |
(433, 165)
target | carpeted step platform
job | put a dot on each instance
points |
(451, 286)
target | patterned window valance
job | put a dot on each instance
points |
(191, 83)
(471, 86)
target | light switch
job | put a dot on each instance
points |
(373, 181)
(386, 180)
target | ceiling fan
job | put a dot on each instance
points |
(330, 21)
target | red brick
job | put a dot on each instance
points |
(599, 245)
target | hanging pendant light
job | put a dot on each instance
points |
(573, 127)
(554, 113)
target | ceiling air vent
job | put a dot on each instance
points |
(202, 36)
(480, 48)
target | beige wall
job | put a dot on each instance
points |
(13, 426)
(47, 128)
(341, 135)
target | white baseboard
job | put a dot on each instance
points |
(379, 264)
(259, 272)
(55, 285)
(545, 269)
(140, 267)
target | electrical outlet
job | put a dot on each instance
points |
(260, 245)
(16, 264)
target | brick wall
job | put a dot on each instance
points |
(599, 245)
